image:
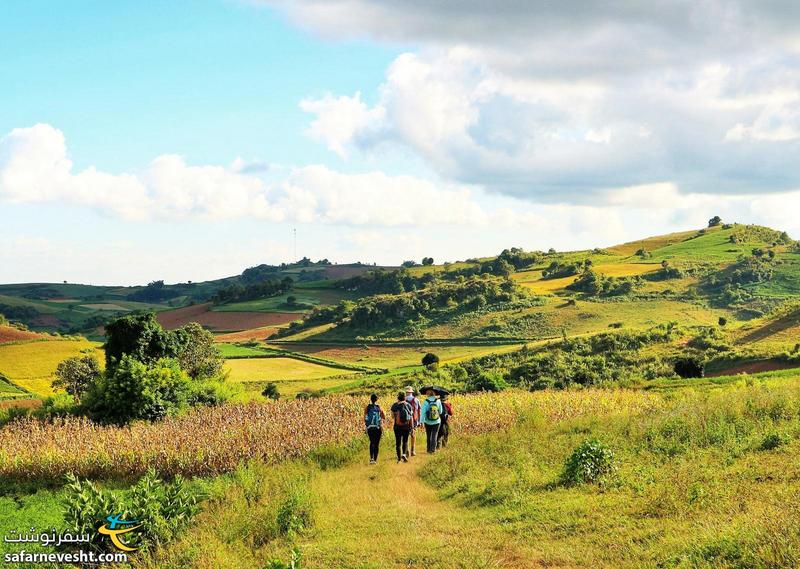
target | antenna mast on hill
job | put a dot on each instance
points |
(294, 230)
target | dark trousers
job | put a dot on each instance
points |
(432, 432)
(401, 440)
(444, 434)
(374, 435)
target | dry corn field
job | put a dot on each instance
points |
(213, 440)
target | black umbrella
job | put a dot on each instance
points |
(436, 389)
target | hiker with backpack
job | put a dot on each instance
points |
(447, 415)
(403, 417)
(373, 419)
(432, 417)
(416, 409)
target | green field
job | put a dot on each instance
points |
(306, 298)
(278, 369)
(31, 365)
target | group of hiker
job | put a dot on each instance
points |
(408, 416)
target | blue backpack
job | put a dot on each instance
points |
(373, 417)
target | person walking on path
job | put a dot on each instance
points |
(403, 420)
(373, 419)
(447, 421)
(416, 410)
(432, 417)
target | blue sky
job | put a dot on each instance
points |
(126, 84)
(185, 140)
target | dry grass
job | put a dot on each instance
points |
(216, 439)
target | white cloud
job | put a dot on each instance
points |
(340, 119)
(34, 168)
(565, 101)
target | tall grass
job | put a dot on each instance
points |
(212, 440)
(704, 479)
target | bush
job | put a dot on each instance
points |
(430, 360)
(689, 368)
(487, 382)
(591, 462)
(162, 509)
(60, 404)
(294, 514)
(211, 392)
(134, 390)
(271, 391)
(774, 440)
(293, 563)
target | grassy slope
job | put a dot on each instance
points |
(694, 488)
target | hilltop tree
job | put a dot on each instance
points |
(714, 221)
(427, 261)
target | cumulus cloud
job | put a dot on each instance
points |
(35, 168)
(364, 216)
(567, 101)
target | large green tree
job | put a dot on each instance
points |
(139, 336)
(75, 375)
(196, 352)
(135, 390)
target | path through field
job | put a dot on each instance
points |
(386, 516)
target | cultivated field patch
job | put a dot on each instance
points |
(394, 357)
(222, 321)
(257, 334)
(278, 369)
(10, 334)
(31, 365)
(105, 306)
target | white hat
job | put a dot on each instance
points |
(409, 389)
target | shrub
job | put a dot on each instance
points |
(60, 405)
(293, 563)
(162, 508)
(689, 368)
(211, 392)
(430, 360)
(774, 440)
(487, 382)
(271, 391)
(591, 462)
(294, 514)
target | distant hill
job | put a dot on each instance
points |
(741, 270)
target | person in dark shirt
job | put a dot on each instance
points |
(373, 420)
(403, 416)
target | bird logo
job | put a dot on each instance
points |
(117, 527)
